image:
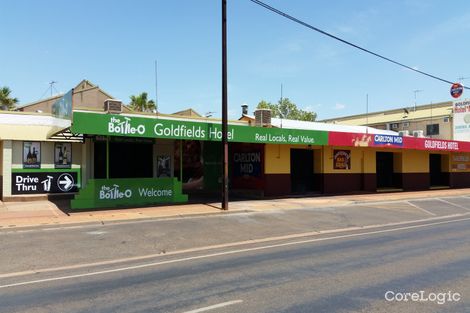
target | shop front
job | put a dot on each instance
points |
(121, 160)
(35, 164)
(142, 160)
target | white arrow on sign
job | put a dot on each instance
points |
(65, 182)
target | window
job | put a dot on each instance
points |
(394, 126)
(432, 129)
(446, 119)
(406, 124)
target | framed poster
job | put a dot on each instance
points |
(63, 155)
(31, 154)
(342, 159)
(163, 166)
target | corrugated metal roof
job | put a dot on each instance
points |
(294, 124)
(423, 112)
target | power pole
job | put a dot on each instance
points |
(224, 108)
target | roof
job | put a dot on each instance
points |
(422, 112)
(84, 85)
(33, 126)
(294, 124)
(188, 112)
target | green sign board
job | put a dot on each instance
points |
(154, 127)
(107, 193)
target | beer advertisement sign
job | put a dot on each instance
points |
(31, 154)
(63, 155)
(341, 159)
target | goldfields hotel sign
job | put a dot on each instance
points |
(130, 126)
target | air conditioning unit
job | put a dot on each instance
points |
(113, 106)
(418, 133)
(263, 117)
(404, 133)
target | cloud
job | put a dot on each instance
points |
(445, 29)
(312, 107)
(339, 106)
(346, 30)
(293, 46)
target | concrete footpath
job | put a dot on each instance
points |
(41, 213)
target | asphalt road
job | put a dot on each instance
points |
(339, 271)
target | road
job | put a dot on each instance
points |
(291, 261)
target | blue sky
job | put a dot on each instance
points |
(115, 43)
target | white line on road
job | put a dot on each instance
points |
(224, 245)
(215, 306)
(223, 253)
(420, 208)
(454, 204)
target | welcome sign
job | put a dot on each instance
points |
(104, 193)
(130, 126)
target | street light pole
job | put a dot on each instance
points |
(224, 108)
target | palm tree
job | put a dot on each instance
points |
(140, 103)
(7, 102)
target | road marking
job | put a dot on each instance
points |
(453, 204)
(420, 208)
(96, 232)
(215, 306)
(105, 223)
(225, 245)
(223, 253)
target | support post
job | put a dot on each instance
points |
(181, 161)
(107, 157)
(224, 108)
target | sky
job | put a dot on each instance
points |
(114, 44)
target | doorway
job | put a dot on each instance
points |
(436, 176)
(384, 170)
(301, 170)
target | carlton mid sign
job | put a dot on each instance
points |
(150, 127)
(388, 140)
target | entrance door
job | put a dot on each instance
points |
(384, 167)
(301, 170)
(435, 170)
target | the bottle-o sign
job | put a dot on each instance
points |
(456, 90)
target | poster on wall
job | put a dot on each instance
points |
(460, 162)
(31, 154)
(192, 162)
(341, 159)
(163, 166)
(63, 155)
(247, 166)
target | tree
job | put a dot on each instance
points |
(141, 103)
(6, 101)
(286, 109)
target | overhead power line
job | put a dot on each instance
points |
(296, 20)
